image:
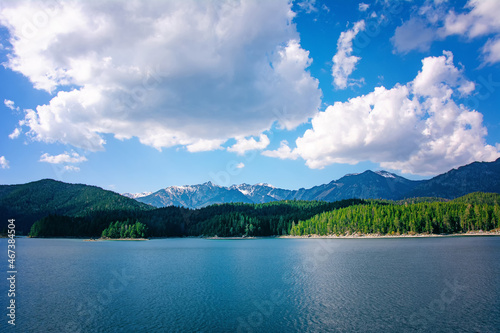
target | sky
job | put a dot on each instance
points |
(140, 95)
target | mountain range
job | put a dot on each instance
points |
(474, 177)
(30, 202)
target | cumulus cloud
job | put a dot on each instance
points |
(439, 78)
(4, 164)
(63, 158)
(416, 128)
(343, 62)
(189, 73)
(283, 152)
(240, 165)
(243, 145)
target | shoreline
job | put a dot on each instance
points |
(114, 239)
(495, 232)
(364, 236)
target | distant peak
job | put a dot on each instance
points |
(136, 195)
(240, 185)
(211, 184)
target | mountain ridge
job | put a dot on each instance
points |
(381, 184)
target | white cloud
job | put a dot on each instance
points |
(63, 158)
(482, 19)
(283, 152)
(491, 51)
(205, 145)
(439, 77)
(10, 104)
(343, 62)
(416, 128)
(240, 165)
(15, 134)
(437, 21)
(243, 145)
(167, 72)
(363, 7)
(4, 164)
(414, 34)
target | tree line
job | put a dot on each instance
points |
(478, 211)
(426, 217)
(224, 220)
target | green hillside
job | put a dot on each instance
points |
(30, 202)
(480, 198)
(267, 219)
(476, 211)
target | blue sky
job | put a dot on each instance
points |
(142, 95)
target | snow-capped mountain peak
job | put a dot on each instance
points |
(363, 185)
(366, 185)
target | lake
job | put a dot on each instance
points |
(260, 285)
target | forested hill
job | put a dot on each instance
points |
(474, 212)
(232, 219)
(30, 202)
(480, 198)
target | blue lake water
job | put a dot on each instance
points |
(262, 285)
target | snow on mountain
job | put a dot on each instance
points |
(265, 184)
(136, 195)
(385, 174)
